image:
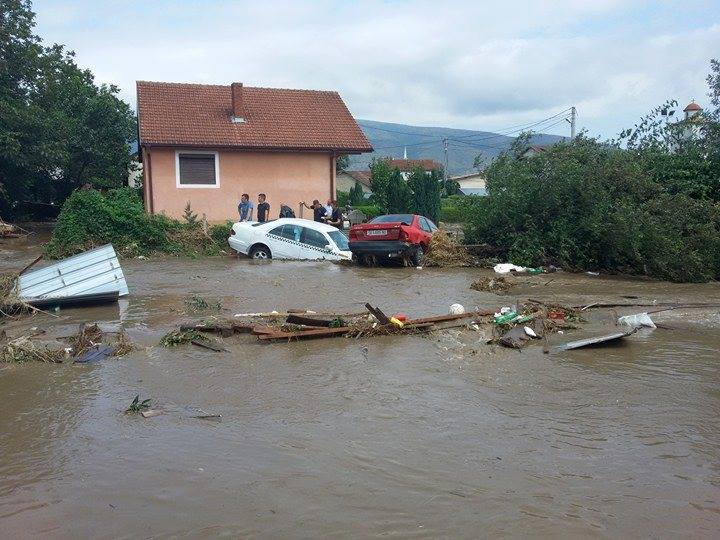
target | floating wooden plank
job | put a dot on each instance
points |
(208, 345)
(307, 321)
(320, 333)
(379, 315)
(93, 272)
(599, 340)
(259, 330)
(225, 330)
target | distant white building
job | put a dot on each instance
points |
(471, 183)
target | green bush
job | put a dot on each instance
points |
(370, 210)
(221, 232)
(591, 205)
(451, 210)
(89, 219)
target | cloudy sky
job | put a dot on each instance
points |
(469, 64)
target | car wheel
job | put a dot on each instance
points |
(260, 253)
(418, 256)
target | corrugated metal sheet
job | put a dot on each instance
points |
(95, 271)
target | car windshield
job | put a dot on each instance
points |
(340, 240)
(394, 218)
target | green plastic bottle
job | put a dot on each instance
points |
(507, 317)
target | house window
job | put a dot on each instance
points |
(197, 169)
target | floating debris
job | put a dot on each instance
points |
(138, 406)
(492, 284)
(23, 349)
(181, 337)
(599, 340)
(446, 252)
(95, 272)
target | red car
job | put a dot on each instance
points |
(395, 236)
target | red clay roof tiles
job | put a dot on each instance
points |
(178, 114)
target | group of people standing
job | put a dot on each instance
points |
(246, 208)
(328, 213)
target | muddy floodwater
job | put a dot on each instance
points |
(396, 436)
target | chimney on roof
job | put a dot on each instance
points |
(238, 108)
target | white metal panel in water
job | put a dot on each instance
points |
(95, 271)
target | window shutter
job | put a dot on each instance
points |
(197, 169)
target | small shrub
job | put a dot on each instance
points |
(89, 219)
(370, 210)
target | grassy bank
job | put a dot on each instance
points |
(90, 218)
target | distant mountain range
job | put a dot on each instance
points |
(391, 140)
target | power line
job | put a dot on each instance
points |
(509, 130)
(398, 132)
(478, 145)
(424, 143)
(518, 128)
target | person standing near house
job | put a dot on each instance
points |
(286, 211)
(336, 216)
(245, 208)
(263, 209)
(318, 210)
(328, 208)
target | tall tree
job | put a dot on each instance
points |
(426, 187)
(380, 172)
(398, 194)
(58, 129)
(356, 196)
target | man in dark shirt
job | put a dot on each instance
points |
(263, 208)
(335, 218)
(318, 211)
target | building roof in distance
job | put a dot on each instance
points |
(407, 165)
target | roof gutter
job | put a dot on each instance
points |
(260, 148)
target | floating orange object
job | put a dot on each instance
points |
(400, 317)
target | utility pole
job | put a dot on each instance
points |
(445, 171)
(573, 119)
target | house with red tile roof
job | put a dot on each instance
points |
(209, 144)
(409, 165)
(347, 179)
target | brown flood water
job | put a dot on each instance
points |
(404, 436)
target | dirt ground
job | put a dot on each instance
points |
(407, 436)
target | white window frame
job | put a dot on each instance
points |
(178, 185)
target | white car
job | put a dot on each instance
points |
(289, 238)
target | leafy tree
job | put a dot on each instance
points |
(450, 187)
(426, 187)
(380, 172)
(356, 197)
(58, 129)
(398, 194)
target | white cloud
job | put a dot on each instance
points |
(483, 65)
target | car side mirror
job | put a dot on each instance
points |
(328, 247)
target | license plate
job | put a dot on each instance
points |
(378, 232)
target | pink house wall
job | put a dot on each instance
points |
(285, 177)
